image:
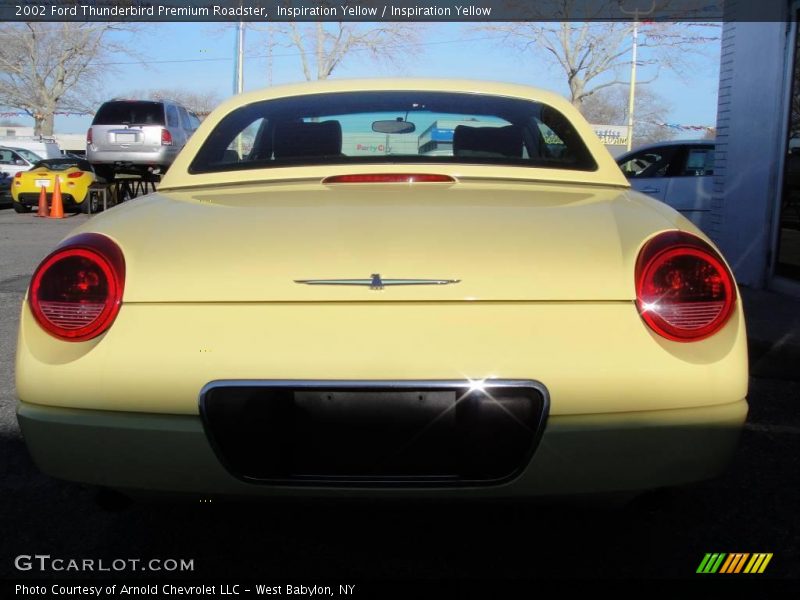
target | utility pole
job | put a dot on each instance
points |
(238, 84)
(632, 86)
(634, 47)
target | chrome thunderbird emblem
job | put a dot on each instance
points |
(376, 282)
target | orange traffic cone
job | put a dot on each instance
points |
(42, 210)
(57, 207)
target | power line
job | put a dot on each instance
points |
(287, 54)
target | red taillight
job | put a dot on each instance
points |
(89, 136)
(389, 178)
(18, 175)
(75, 175)
(76, 292)
(166, 137)
(684, 291)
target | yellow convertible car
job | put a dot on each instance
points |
(385, 288)
(75, 176)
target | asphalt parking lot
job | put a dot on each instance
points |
(753, 507)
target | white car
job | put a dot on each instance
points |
(679, 173)
(14, 160)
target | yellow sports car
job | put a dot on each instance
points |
(385, 288)
(75, 176)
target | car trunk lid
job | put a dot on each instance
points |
(500, 242)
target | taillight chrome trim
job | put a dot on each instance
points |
(674, 244)
(108, 256)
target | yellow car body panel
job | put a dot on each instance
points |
(621, 453)
(594, 357)
(542, 262)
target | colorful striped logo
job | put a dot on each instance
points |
(737, 562)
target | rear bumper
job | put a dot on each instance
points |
(618, 452)
(163, 156)
(30, 199)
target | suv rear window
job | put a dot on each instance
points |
(126, 112)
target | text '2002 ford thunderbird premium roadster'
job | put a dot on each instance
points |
(385, 288)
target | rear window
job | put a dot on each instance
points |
(699, 162)
(27, 154)
(392, 127)
(124, 112)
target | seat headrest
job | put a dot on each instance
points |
(230, 156)
(298, 139)
(487, 142)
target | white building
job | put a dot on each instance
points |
(67, 142)
(755, 215)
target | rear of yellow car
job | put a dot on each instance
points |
(390, 329)
(73, 181)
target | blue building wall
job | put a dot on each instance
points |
(751, 143)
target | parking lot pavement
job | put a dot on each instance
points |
(773, 329)
(751, 508)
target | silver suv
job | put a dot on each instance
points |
(138, 136)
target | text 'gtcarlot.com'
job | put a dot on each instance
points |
(45, 562)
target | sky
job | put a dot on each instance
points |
(200, 57)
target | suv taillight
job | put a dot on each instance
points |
(89, 136)
(684, 290)
(166, 137)
(76, 292)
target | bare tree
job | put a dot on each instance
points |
(200, 102)
(54, 67)
(596, 55)
(609, 106)
(322, 47)
(272, 36)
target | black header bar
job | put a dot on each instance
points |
(395, 10)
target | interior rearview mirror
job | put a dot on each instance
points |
(393, 126)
